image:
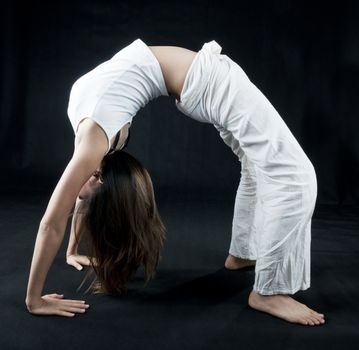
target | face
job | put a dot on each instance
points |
(93, 182)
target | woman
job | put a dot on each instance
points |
(275, 198)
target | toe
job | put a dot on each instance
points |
(314, 315)
(316, 321)
(317, 313)
(320, 319)
(310, 322)
(304, 321)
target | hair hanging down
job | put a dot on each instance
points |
(121, 225)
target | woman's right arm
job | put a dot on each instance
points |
(75, 237)
(72, 256)
(90, 146)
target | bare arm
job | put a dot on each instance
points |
(73, 245)
(72, 256)
(90, 146)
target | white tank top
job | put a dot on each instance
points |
(113, 92)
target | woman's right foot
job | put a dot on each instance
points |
(234, 263)
(286, 308)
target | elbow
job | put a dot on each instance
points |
(46, 226)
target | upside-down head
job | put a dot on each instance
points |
(121, 224)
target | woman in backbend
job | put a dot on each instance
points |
(115, 205)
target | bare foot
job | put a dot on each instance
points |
(285, 307)
(234, 263)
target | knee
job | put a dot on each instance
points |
(311, 180)
(313, 175)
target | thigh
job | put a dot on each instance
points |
(230, 141)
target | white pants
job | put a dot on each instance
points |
(272, 225)
(278, 188)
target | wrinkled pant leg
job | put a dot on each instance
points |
(286, 184)
(244, 232)
(243, 241)
(286, 194)
(284, 235)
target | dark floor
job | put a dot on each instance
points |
(193, 303)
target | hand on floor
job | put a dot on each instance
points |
(53, 304)
(78, 260)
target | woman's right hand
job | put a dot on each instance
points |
(77, 261)
(53, 304)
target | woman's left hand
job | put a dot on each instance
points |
(78, 260)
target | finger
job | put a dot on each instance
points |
(75, 309)
(64, 313)
(88, 260)
(54, 295)
(76, 306)
(59, 296)
(72, 301)
(75, 265)
(84, 260)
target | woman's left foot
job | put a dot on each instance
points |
(234, 263)
(286, 308)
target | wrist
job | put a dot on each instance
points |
(71, 252)
(30, 301)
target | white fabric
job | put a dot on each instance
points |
(112, 93)
(278, 188)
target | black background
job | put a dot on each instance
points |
(304, 56)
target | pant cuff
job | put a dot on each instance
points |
(242, 256)
(281, 291)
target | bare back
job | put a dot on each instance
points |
(175, 62)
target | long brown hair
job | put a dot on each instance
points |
(122, 225)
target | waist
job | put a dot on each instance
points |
(198, 76)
